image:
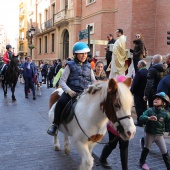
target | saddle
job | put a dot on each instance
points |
(68, 113)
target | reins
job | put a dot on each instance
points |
(92, 139)
(120, 127)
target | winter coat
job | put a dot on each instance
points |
(138, 50)
(29, 72)
(109, 53)
(156, 127)
(7, 56)
(139, 82)
(44, 70)
(164, 85)
(80, 75)
(58, 76)
(155, 74)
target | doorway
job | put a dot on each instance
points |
(65, 44)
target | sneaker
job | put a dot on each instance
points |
(145, 166)
(26, 96)
(34, 98)
(142, 143)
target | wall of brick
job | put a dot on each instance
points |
(149, 17)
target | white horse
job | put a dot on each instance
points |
(100, 102)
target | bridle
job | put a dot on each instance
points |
(120, 128)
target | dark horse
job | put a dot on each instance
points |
(11, 76)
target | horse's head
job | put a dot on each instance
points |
(117, 106)
(14, 60)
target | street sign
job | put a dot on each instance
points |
(83, 34)
(99, 42)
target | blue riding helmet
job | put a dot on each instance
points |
(8, 46)
(163, 96)
(80, 47)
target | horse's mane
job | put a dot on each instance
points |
(100, 86)
(125, 96)
(123, 93)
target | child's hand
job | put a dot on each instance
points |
(153, 118)
(72, 93)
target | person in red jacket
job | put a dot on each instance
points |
(6, 58)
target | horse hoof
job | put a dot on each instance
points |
(57, 148)
(67, 151)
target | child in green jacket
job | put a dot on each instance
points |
(156, 118)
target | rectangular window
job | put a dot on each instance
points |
(52, 42)
(90, 1)
(45, 44)
(40, 19)
(46, 15)
(91, 27)
(53, 9)
(66, 4)
(39, 45)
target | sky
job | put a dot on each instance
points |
(9, 17)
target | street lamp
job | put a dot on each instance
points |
(31, 32)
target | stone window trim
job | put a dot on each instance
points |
(91, 27)
(90, 2)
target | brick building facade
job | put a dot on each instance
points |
(58, 23)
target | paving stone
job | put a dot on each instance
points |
(25, 145)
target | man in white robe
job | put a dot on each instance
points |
(119, 56)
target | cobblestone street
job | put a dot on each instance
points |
(25, 145)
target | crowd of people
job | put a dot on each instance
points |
(150, 86)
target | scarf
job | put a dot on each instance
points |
(28, 66)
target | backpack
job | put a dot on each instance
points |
(145, 51)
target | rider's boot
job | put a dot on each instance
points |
(52, 129)
(2, 74)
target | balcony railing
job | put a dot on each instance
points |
(47, 24)
(60, 16)
(44, 26)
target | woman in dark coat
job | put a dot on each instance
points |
(139, 51)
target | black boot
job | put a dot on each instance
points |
(52, 130)
(166, 160)
(143, 156)
(2, 73)
(103, 158)
(124, 159)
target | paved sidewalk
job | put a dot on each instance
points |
(25, 145)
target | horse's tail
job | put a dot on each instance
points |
(54, 97)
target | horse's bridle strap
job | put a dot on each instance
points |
(128, 116)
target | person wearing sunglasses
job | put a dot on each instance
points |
(139, 50)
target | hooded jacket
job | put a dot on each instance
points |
(155, 74)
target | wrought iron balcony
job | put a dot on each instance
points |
(44, 26)
(60, 18)
(47, 24)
